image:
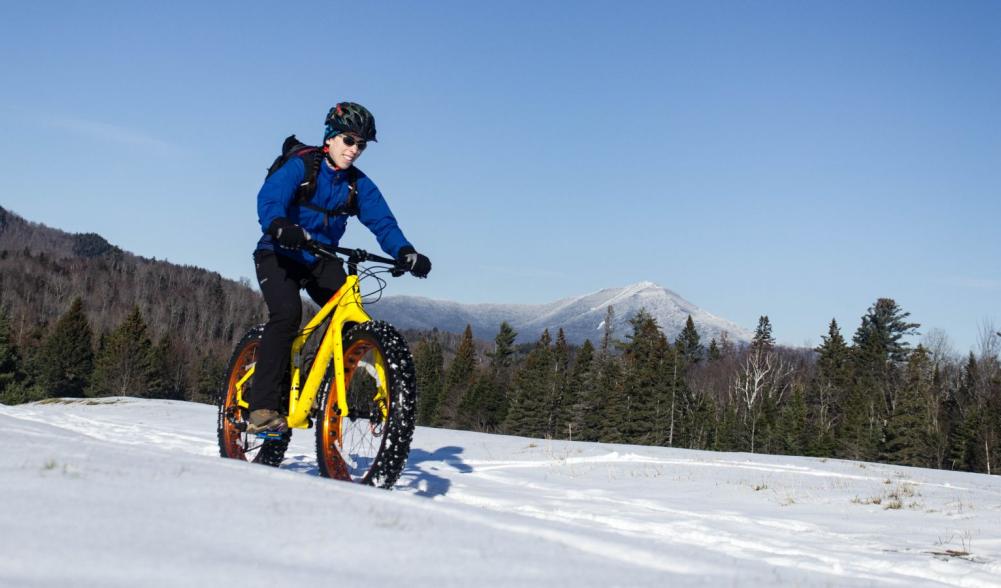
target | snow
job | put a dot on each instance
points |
(126, 492)
(577, 315)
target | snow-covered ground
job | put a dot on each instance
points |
(128, 492)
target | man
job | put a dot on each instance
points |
(289, 221)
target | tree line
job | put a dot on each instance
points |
(71, 360)
(871, 398)
(70, 302)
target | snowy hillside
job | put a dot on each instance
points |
(582, 317)
(128, 492)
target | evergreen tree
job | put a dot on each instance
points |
(792, 431)
(528, 415)
(763, 339)
(209, 381)
(458, 380)
(585, 412)
(907, 431)
(559, 403)
(124, 366)
(649, 403)
(828, 391)
(714, 352)
(883, 326)
(15, 388)
(861, 416)
(472, 412)
(608, 331)
(966, 443)
(158, 376)
(955, 432)
(689, 344)
(503, 353)
(429, 363)
(10, 359)
(66, 359)
(487, 403)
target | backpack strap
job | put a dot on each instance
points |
(312, 159)
(349, 208)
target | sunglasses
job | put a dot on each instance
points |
(352, 141)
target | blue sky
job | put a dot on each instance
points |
(795, 159)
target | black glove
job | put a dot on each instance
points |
(288, 234)
(415, 263)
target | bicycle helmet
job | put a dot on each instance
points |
(350, 117)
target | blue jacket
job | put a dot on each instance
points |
(275, 200)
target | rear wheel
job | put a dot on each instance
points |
(234, 442)
(370, 444)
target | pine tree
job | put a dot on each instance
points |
(861, 416)
(884, 325)
(493, 388)
(10, 359)
(906, 439)
(649, 402)
(158, 376)
(429, 362)
(828, 391)
(559, 402)
(124, 367)
(472, 412)
(608, 331)
(585, 419)
(458, 380)
(66, 358)
(876, 353)
(14, 385)
(714, 352)
(532, 384)
(792, 431)
(612, 401)
(967, 441)
(689, 344)
(209, 380)
(763, 339)
(503, 353)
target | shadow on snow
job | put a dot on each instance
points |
(418, 476)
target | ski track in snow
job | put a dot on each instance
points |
(707, 517)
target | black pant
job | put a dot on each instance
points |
(281, 279)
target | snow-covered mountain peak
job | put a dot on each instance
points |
(580, 317)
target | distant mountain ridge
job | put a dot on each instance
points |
(581, 317)
(42, 269)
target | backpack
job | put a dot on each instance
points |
(312, 159)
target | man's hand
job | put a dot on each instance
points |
(288, 234)
(415, 263)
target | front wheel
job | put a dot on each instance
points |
(370, 444)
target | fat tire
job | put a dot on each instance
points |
(272, 452)
(391, 458)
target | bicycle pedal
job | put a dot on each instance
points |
(265, 435)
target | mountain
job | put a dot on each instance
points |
(581, 317)
(196, 312)
(130, 492)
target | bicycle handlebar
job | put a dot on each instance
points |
(354, 255)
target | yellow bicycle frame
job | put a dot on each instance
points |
(344, 306)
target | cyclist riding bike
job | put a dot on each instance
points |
(284, 267)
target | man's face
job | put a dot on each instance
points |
(345, 155)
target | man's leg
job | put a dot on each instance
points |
(280, 288)
(327, 278)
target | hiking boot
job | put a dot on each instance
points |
(265, 419)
